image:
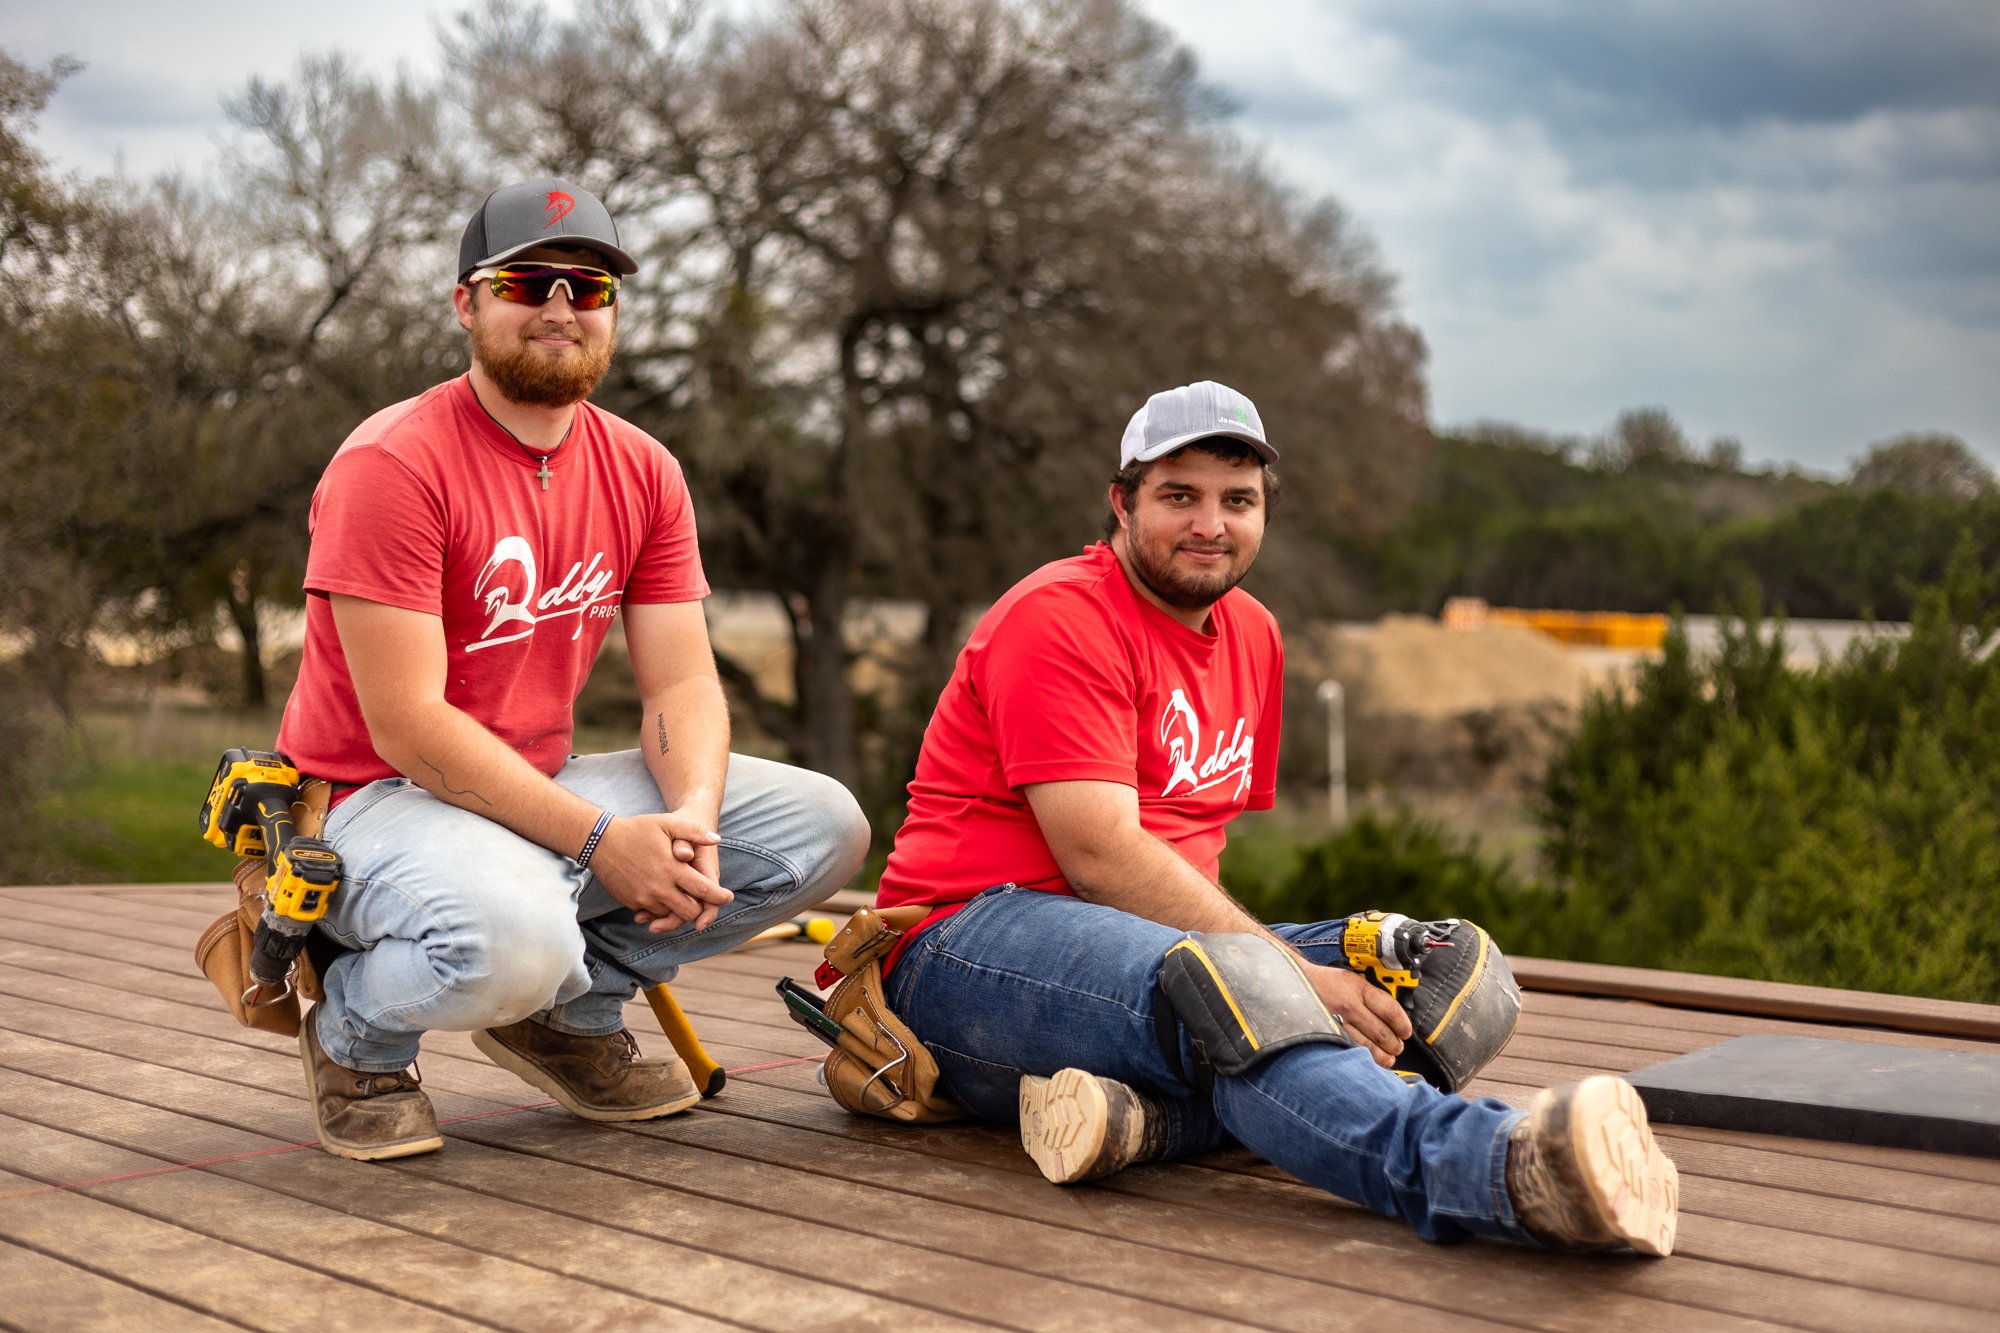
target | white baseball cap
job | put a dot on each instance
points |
(1176, 417)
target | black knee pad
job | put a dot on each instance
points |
(1463, 1011)
(1242, 999)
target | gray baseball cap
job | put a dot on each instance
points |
(1176, 417)
(539, 212)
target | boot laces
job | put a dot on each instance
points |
(381, 1085)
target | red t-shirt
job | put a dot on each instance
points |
(1074, 676)
(431, 506)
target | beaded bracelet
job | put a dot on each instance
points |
(590, 843)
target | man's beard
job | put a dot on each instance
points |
(530, 375)
(1187, 591)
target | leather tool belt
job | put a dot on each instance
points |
(878, 1067)
(223, 951)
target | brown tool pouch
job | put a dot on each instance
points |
(879, 1068)
(223, 951)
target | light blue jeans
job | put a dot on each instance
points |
(458, 923)
(1021, 982)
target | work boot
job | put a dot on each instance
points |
(597, 1078)
(1078, 1126)
(365, 1116)
(1585, 1174)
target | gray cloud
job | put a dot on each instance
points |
(1775, 217)
(113, 99)
(1705, 62)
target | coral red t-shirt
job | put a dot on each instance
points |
(432, 507)
(1074, 676)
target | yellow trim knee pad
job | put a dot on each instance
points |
(1463, 1011)
(1242, 999)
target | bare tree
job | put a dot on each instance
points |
(53, 350)
(911, 265)
(277, 312)
(167, 421)
(37, 212)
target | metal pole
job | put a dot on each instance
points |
(1335, 700)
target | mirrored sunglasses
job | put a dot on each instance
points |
(534, 284)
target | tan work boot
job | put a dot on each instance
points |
(1078, 1126)
(365, 1116)
(1585, 1174)
(597, 1078)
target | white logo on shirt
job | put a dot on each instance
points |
(1181, 732)
(517, 610)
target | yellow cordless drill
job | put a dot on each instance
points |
(1390, 947)
(249, 812)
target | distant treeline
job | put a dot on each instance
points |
(1522, 520)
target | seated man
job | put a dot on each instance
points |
(469, 549)
(1107, 719)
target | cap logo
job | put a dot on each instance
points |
(559, 207)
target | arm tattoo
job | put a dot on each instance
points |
(455, 791)
(660, 726)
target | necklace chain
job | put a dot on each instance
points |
(542, 474)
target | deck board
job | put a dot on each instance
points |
(155, 1167)
(60, 1296)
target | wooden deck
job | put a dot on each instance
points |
(154, 1172)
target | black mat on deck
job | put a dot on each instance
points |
(1849, 1091)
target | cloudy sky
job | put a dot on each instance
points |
(1780, 220)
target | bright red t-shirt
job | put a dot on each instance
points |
(431, 506)
(1074, 676)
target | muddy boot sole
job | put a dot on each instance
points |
(1077, 1126)
(1635, 1188)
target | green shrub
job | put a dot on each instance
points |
(1398, 862)
(1839, 826)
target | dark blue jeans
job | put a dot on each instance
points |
(1021, 982)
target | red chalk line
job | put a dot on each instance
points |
(314, 1143)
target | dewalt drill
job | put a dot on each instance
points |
(249, 812)
(1390, 947)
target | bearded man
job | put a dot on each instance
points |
(1080, 966)
(470, 548)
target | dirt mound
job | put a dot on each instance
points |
(1410, 666)
(1473, 711)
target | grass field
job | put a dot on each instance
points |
(137, 777)
(133, 822)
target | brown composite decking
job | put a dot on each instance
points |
(153, 1174)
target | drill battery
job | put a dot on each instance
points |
(250, 796)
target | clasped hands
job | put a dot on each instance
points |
(663, 867)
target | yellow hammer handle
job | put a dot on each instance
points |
(817, 929)
(708, 1075)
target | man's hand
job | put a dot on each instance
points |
(1370, 1016)
(663, 867)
